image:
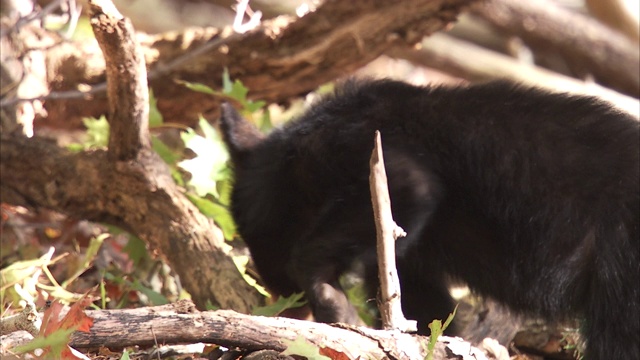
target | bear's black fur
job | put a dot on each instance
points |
(531, 198)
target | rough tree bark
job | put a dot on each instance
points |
(128, 185)
(182, 323)
(330, 42)
(281, 59)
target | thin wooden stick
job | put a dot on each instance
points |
(387, 232)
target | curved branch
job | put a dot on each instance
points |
(609, 56)
(138, 196)
(617, 14)
(126, 81)
(475, 63)
(284, 58)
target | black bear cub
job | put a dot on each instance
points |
(531, 198)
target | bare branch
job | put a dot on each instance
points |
(475, 63)
(139, 196)
(387, 232)
(609, 56)
(126, 81)
(174, 323)
(280, 59)
(618, 16)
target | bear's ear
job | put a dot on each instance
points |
(239, 135)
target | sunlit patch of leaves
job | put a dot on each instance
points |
(97, 135)
(22, 281)
(236, 91)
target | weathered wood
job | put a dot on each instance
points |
(127, 87)
(474, 63)
(182, 323)
(278, 60)
(129, 185)
(138, 196)
(387, 232)
(283, 58)
(588, 46)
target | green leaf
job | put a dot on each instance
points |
(103, 293)
(209, 306)
(155, 117)
(304, 348)
(154, 297)
(241, 262)
(97, 132)
(238, 91)
(198, 87)
(234, 90)
(265, 121)
(92, 250)
(359, 297)
(253, 106)
(225, 189)
(57, 341)
(75, 147)
(136, 249)
(226, 81)
(218, 213)
(125, 355)
(437, 329)
(166, 153)
(450, 318)
(283, 303)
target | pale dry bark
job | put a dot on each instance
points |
(182, 323)
(283, 58)
(475, 63)
(387, 232)
(590, 48)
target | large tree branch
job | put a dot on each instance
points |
(139, 196)
(585, 43)
(474, 63)
(281, 59)
(129, 185)
(181, 323)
